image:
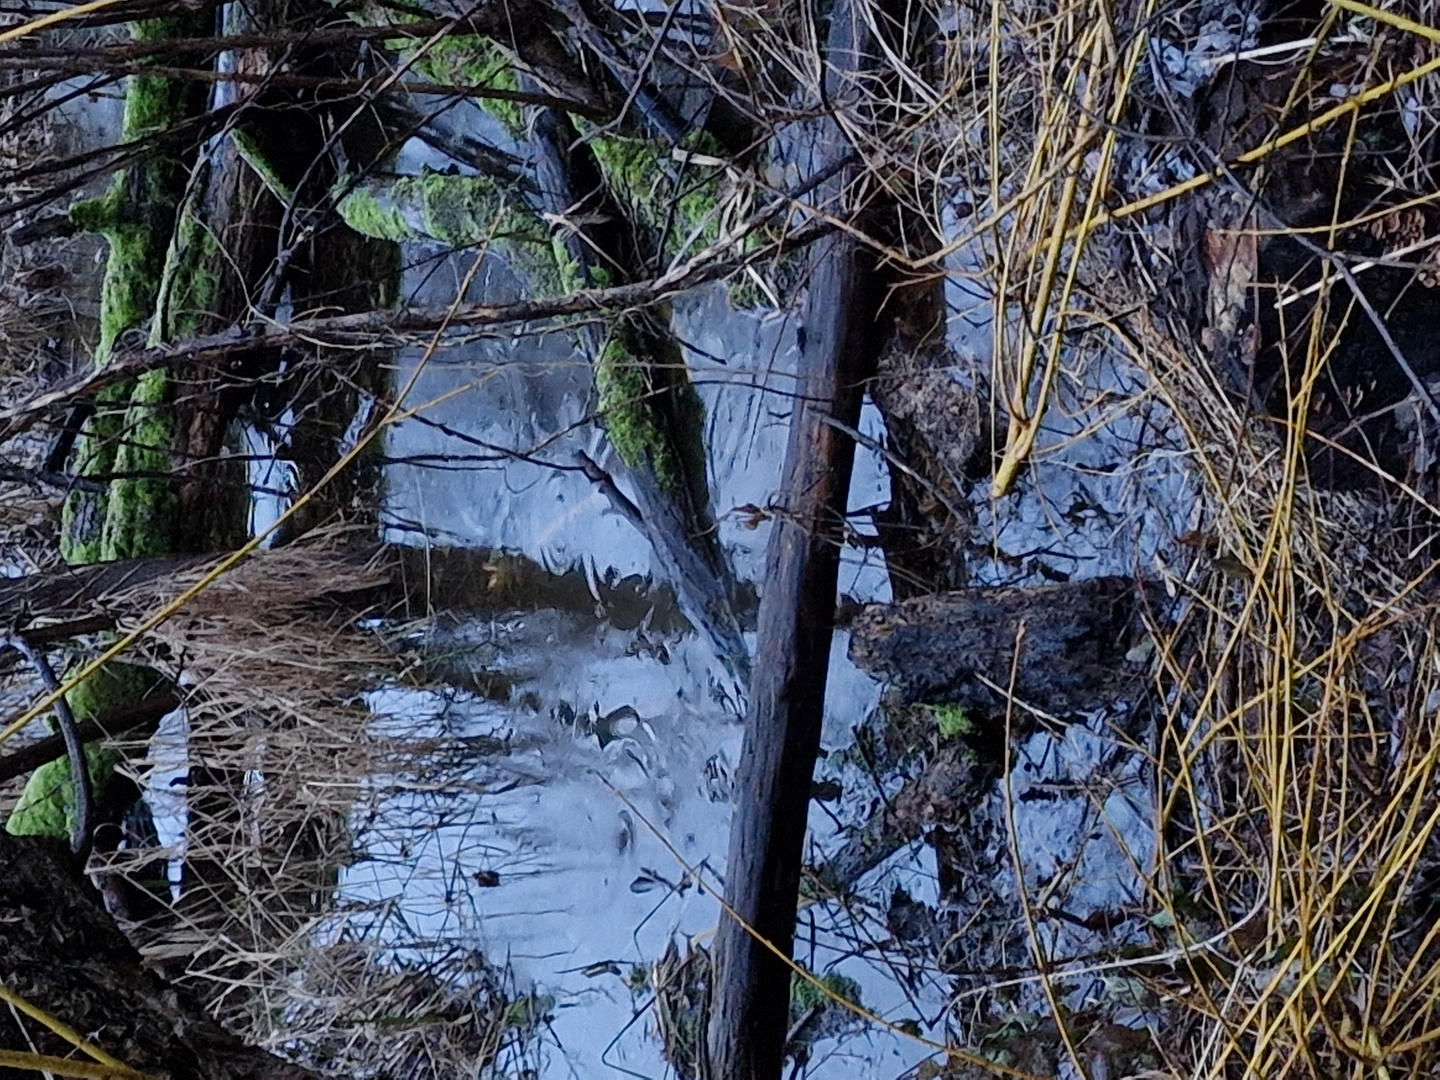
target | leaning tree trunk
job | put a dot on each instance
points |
(60, 951)
(787, 692)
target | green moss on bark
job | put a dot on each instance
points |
(140, 512)
(654, 427)
(467, 60)
(643, 176)
(47, 805)
(457, 210)
(137, 216)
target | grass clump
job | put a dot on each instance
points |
(952, 721)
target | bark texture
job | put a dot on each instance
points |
(797, 610)
(61, 951)
(944, 648)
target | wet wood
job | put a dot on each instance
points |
(957, 647)
(407, 582)
(134, 720)
(675, 513)
(749, 1016)
(213, 496)
(943, 793)
(61, 951)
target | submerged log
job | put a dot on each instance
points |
(751, 1006)
(950, 783)
(958, 647)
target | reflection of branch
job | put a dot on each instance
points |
(606, 483)
(81, 835)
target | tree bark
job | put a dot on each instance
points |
(957, 647)
(62, 952)
(797, 610)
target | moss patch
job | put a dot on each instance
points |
(683, 206)
(457, 210)
(952, 721)
(651, 411)
(137, 216)
(47, 805)
(140, 512)
(463, 60)
(805, 994)
(253, 154)
(644, 177)
(627, 408)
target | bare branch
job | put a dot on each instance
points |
(387, 328)
(83, 832)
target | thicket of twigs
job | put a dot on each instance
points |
(1296, 797)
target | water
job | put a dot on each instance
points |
(580, 854)
(575, 849)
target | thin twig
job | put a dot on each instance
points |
(82, 834)
(606, 483)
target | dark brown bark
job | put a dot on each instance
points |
(62, 952)
(244, 219)
(797, 610)
(945, 648)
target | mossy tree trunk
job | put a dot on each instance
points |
(138, 217)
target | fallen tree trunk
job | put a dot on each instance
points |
(961, 647)
(942, 793)
(650, 408)
(378, 579)
(751, 1001)
(138, 217)
(59, 950)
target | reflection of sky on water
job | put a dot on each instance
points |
(579, 878)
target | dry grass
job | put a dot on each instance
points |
(285, 764)
(1299, 745)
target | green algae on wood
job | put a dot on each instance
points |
(457, 210)
(467, 60)
(656, 424)
(47, 805)
(137, 216)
